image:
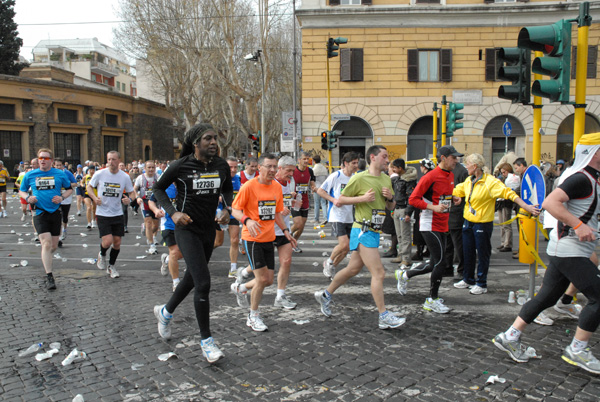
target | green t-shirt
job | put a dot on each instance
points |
(374, 212)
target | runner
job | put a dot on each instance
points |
(370, 192)
(250, 170)
(46, 183)
(259, 206)
(340, 216)
(575, 205)
(433, 195)
(143, 188)
(4, 177)
(65, 206)
(21, 200)
(234, 225)
(106, 189)
(304, 180)
(79, 190)
(90, 206)
(200, 177)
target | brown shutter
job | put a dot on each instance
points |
(334, 2)
(573, 62)
(446, 65)
(366, 2)
(523, 1)
(592, 61)
(413, 65)
(490, 64)
(345, 64)
(357, 64)
(488, 1)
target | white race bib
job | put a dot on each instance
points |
(45, 183)
(266, 210)
(207, 183)
(112, 190)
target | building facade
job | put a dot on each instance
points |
(78, 123)
(404, 55)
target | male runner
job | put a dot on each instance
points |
(4, 177)
(65, 206)
(433, 195)
(234, 225)
(259, 205)
(304, 179)
(340, 216)
(574, 203)
(249, 171)
(90, 207)
(79, 190)
(110, 184)
(143, 188)
(46, 184)
(370, 192)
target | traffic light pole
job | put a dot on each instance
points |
(537, 122)
(329, 114)
(435, 128)
(583, 23)
(443, 123)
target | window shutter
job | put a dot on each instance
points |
(413, 65)
(488, 1)
(334, 2)
(523, 1)
(357, 64)
(366, 2)
(446, 65)
(573, 61)
(490, 64)
(345, 64)
(592, 62)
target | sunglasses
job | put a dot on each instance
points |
(45, 158)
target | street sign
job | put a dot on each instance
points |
(340, 117)
(287, 120)
(506, 128)
(533, 186)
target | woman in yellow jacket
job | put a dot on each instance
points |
(480, 190)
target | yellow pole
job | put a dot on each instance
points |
(580, 83)
(328, 110)
(443, 122)
(537, 121)
(435, 128)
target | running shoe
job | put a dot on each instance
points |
(390, 321)
(23, 218)
(112, 271)
(572, 310)
(239, 275)
(232, 273)
(477, 290)
(164, 328)
(285, 302)
(463, 285)
(256, 323)
(241, 297)
(328, 269)
(78, 213)
(152, 250)
(89, 226)
(210, 351)
(175, 286)
(543, 319)
(4, 214)
(164, 264)
(93, 224)
(297, 249)
(324, 302)
(402, 282)
(515, 349)
(50, 284)
(584, 359)
(435, 306)
(101, 263)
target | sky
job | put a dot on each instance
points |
(53, 19)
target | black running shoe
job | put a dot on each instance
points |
(50, 285)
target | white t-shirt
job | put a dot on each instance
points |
(287, 202)
(110, 190)
(145, 184)
(334, 185)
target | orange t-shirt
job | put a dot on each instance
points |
(260, 202)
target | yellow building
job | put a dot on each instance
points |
(404, 55)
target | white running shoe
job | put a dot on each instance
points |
(164, 329)
(572, 310)
(4, 214)
(232, 274)
(391, 321)
(23, 218)
(543, 319)
(210, 351)
(256, 323)
(285, 302)
(93, 224)
(241, 297)
(175, 286)
(463, 285)
(328, 269)
(324, 303)
(164, 264)
(101, 263)
(152, 250)
(112, 271)
(78, 213)
(402, 282)
(477, 290)
(436, 306)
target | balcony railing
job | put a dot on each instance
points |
(106, 70)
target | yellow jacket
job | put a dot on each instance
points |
(483, 199)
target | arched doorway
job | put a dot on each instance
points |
(147, 152)
(358, 135)
(420, 139)
(496, 143)
(564, 135)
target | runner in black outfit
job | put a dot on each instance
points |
(201, 177)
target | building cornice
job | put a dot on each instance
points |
(411, 16)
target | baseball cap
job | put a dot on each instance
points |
(78, 166)
(560, 162)
(21, 163)
(448, 150)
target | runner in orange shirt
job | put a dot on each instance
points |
(258, 206)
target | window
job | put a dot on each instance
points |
(112, 120)
(68, 147)
(427, 1)
(7, 111)
(351, 64)
(67, 115)
(592, 61)
(118, 86)
(123, 87)
(491, 64)
(429, 65)
(350, 2)
(111, 143)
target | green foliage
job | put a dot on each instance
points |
(10, 43)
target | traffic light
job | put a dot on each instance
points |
(333, 138)
(555, 41)
(515, 67)
(325, 140)
(332, 44)
(255, 138)
(452, 124)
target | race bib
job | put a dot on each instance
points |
(112, 190)
(302, 188)
(377, 218)
(287, 200)
(2, 180)
(446, 200)
(45, 183)
(207, 183)
(266, 210)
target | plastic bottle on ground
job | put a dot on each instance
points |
(32, 349)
